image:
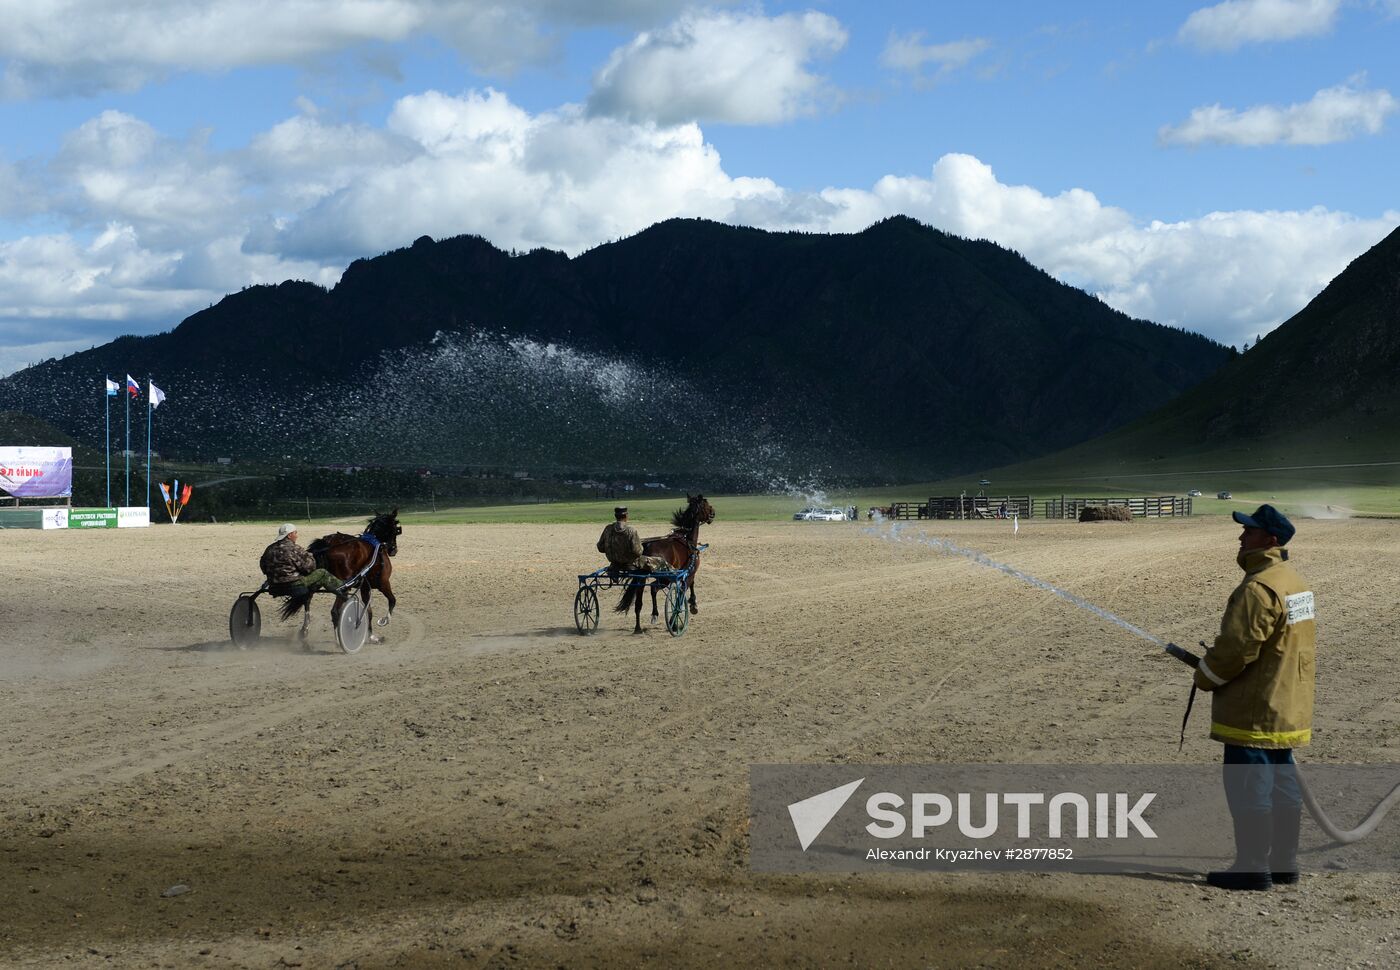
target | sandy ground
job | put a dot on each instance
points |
(487, 788)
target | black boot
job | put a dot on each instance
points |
(1283, 851)
(1253, 833)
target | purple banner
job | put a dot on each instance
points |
(36, 472)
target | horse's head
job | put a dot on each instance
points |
(697, 512)
(385, 527)
(703, 510)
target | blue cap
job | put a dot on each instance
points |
(1270, 519)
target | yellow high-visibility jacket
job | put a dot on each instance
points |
(1262, 664)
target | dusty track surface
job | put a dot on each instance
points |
(486, 788)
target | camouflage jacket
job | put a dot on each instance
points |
(621, 544)
(284, 561)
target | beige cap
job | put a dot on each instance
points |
(285, 529)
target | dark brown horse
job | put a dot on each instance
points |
(345, 555)
(677, 548)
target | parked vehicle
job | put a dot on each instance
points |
(1194, 492)
(820, 515)
(1223, 494)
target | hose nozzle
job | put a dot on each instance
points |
(1184, 655)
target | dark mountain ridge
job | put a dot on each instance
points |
(1322, 386)
(900, 350)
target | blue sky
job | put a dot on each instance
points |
(1208, 165)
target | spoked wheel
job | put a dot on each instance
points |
(677, 616)
(352, 627)
(244, 622)
(586, 609)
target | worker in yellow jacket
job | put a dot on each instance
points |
(1260, 671)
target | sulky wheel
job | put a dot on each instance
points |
(586, 609)
(244, 622)
(352, 626)
(677, 616)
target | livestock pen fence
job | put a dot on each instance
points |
(1156, 506)
(1025, 507)
(965, 507)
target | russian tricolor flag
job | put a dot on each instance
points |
(132, 388)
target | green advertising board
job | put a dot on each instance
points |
(92, 518)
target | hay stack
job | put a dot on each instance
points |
(1105, 513)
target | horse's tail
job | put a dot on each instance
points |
(630, 596)
(293, 604)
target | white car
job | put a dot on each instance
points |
(1194, 492)
(820, 515)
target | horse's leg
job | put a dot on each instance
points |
(305, 624)
(641, 583)
(363, 593)
(690, 582)
(382, 584)
(654, 614)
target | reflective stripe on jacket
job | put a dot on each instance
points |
(1262, 664)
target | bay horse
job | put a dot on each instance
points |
(344, 555)
(676, 548)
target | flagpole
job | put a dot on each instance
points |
(127, 394)
(107, 438)
(149, 409)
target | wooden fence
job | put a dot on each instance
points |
(978, 506)
(1159, 506)
(990, 507)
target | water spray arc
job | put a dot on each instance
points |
(898, 532)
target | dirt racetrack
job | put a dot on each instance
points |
(486, 788)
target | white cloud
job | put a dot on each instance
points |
(87, 46)
(1332, 115)
(1229, 25)
(910, 54)
(117, 168)
(161, 226)
(562, 179)
(740, 68)
(115, 283)
(18, 198)
(1234, 275)
(58, 295)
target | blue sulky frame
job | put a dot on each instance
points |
(676, 615)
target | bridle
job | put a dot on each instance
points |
(380, 527)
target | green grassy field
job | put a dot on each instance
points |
(1315, 492)
(1329, 475)
(1350, 464)
(733, 508)
(1311, 489)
